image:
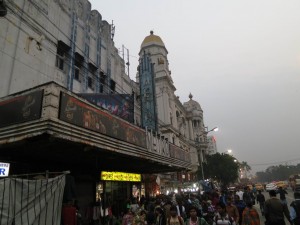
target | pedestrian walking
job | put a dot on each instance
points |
(128, 218)
(240, 204)
(160, 216)
(240, 193)
(275, 210)
(232, 210)
(173, 218)
(282, 194)
(254, 191)
(194, 219)
(248, 196)
(295, 209)
(181, 209)
(222, 217)
(150, 215)
(260, 199)
(250, 215)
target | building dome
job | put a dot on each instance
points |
(193, 107)
(152, 40)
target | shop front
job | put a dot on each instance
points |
(48, 128)
(116, 191)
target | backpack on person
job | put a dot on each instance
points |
(229, 218)
(296, 206)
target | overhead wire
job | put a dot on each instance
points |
(36, 30)
(39, 31)
(95, 78)
(31, 22)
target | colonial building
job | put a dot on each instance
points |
(212, 145)
(67, 104)
(64, 106)
(181, 124)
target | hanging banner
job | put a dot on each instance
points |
(36, 202)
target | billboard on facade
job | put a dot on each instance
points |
(121, 105)
(76, 112)
(148, 98)
(21, 108)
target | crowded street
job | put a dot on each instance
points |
(170, 112)
(289, 198)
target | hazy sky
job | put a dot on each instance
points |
(239, 59)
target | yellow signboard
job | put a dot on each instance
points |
(120, 176)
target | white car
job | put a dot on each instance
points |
(271, 186)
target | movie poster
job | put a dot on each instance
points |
(121, 105)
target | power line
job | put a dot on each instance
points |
(118, 87)
(38, 28)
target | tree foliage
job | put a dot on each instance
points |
(221, 167)
(280, 172)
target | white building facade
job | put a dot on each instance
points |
(181, 123)
(70, 44)
(212, 145)
(61, 41)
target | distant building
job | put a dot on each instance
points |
(212, 145)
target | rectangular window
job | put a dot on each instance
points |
(77, 74)
(102, 81)
(60, 61)
(92, 76)
(61, 56)
(112, 86)
(90, 83)
(79, 60)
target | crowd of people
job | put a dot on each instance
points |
(212, 208)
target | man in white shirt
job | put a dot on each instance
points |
(240, 193)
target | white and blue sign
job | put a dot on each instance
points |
(4, 169)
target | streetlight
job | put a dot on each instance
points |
(201, 153)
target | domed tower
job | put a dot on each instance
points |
(195, 118)
(154, 52)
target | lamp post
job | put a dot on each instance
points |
(201, 153)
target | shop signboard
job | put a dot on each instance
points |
(157, 144)
(77, 112)
(121, 105)
(4, 169)
(21, 108)
(120, 176)
(179, 153)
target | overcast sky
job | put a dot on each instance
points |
(239, 59)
